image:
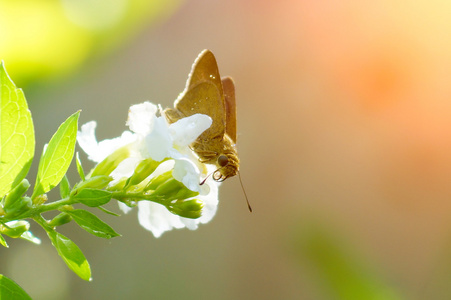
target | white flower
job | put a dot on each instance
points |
(152, 137)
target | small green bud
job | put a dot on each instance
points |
(186, 208)
(18, 207)
(159, 180)
(96, 182)
(168, 189)
(38, 200)
(142, 171)
(119, 186)
(16, 193)
(61, 219)
(173, 189)
(14, 229)
(111, 162)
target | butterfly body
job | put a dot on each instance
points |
(206, 93)
(222, 154)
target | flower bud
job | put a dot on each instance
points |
(173, 189)
(187, 208)
(143, 170)
(96, 182)
(120, 185)
(159, 180)
(110, 163)
(20, 206)
(60, 219)
(16, 193)
(14, 229)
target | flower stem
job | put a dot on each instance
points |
(36, 211)
(41, 221)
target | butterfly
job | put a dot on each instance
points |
(206, 93)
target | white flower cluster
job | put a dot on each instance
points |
(152, 137)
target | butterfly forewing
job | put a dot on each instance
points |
(204, 98)
(204, 69)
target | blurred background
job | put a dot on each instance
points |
(344, 136)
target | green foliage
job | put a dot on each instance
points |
(93, 197)
(3, 242)
(57, 156)
(80, 170)
(16, 134)
(64, 187)
(94, 190)
(71, 254)
(108, 211)
(92, 224)
(9, 290)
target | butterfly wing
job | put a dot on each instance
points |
(230, 107)
(204, 95)
(205, 68)
(204, 98)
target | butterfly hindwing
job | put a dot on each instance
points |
(230, 107)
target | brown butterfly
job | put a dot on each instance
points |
(206, 93)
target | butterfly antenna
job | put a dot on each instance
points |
(205, 179)
(244, 191)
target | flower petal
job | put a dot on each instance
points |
(156, 218)
(159, 143)
(141, 118)
(154, 138)
(126, 209)
(186, 172)
(124, 169)
(187, 130)
(86, 138)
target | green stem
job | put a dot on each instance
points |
(55, 205)
(41, 221)
(38, 210)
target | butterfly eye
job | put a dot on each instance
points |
(223, 160)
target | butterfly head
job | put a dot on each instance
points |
(228, 167)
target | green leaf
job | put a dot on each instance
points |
(57, 156)
(108, 211)
(71, 254)
(16, 134)
(80, 170)
(9, 290)
(92, 224)
(64, 187)
(3, 242)
(93, 197)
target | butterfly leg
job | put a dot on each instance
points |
(207, 156)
